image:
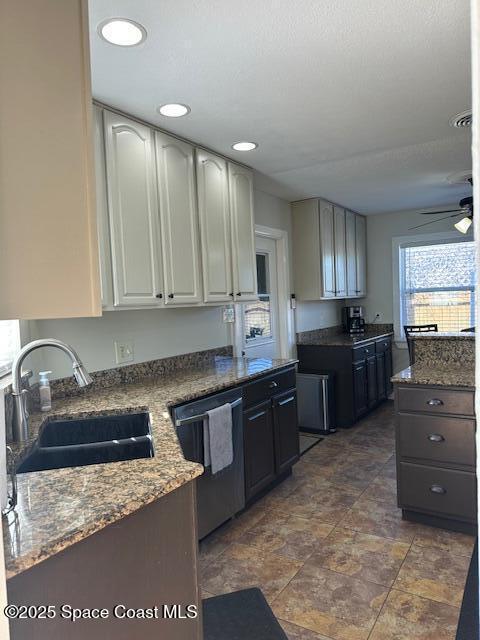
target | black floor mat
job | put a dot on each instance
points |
(307, 441)
(468, 622)
(242, 615)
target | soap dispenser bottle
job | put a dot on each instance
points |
(45, 393)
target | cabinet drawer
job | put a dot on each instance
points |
(268, 386)
(383, 345)
(363, 352)
(433, 400)
(441, 491)
(437, 438)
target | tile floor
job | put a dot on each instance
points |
(331, 553)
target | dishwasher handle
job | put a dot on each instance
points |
(203, 416)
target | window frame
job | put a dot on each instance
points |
(420, 240)
(23, 336)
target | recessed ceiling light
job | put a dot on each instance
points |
(122, 32)
(244, 146)
(174, 110)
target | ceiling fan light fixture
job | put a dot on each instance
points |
(464, 224)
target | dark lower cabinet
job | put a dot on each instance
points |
(372, 382)
(360, 398)
(381, 378)
(271, 443)
(285, 430)
(362, 370)
(259, 449)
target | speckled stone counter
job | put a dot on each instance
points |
(339, 339)
(445, 376)
(60, 507)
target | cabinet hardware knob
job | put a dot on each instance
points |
(231, 294)
(159, 295)
(273, 384)
(435, 402)
(367, 350)
(436, 437)
(239, 293)
(436, 488)
(170, 295)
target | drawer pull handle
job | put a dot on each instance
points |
(436, 437)
(436, 488)
(435, 402)
(273, 384)
(257, 415)
(282, 402)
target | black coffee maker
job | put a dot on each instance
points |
(353, 320)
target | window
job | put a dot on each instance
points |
(437, 285)
(258, 314)
(9, 343)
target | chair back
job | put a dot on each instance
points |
(410, 329)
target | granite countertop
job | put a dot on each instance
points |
(343, 339)
(443, 335)
(441, 375)
(60, 507)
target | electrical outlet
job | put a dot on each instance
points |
(378, 317)
(124, 351)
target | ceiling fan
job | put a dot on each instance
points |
(465, 209)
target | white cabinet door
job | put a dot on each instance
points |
(179, 220)
(340, 252)
(361, 255)
(133, 209)
(213, 208)
(327, 249)
(243, 233)
(350, 243)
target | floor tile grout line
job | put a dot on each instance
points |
(417, 595)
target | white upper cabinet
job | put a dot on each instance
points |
(243, 233)
(340, 252)
(328, 251)
(361, 255)
(350, 231)
(133, 209)
(179, 220)
(213, 206)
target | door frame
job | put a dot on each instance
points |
(286, 328)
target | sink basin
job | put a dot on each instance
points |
(99, 440)
(60, 433)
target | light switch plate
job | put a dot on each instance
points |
(124, 351)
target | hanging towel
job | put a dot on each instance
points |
(217, 438)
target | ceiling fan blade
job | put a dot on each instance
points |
(433, 221)
(434, 213)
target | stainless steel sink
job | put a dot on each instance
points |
(103, 439)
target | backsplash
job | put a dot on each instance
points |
(455, 351)
(306, 337)
(67, 387)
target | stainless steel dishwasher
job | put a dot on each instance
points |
(219, 496)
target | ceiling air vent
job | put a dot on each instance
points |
(461, 120)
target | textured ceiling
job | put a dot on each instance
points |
(348, 99)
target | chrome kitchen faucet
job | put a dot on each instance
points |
(81, 375)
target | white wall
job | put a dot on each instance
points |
(157, 333)
(272, 211)
(381, 228)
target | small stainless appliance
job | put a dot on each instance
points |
(219, 496)
(353, 320)
(316, 401)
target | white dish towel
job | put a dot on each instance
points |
(217, 438)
